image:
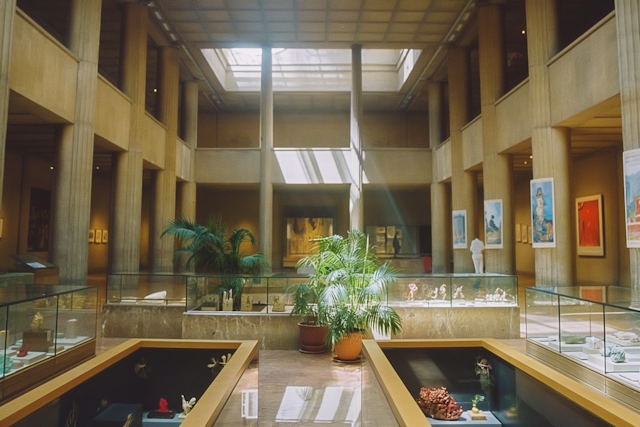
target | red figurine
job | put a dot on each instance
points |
(163, 406)
(24, 350)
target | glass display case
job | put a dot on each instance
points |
(147, 289)
(454, 290)
(595, 326)
(40, 323)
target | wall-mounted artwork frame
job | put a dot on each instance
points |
(589, 232)
(493, 224)
(459, 225)
(542, 213)
(92, 236)
(631, 168)
(525, 234)
(518, 233)
(105, 236)
(98, 236)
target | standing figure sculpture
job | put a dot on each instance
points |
(396, 244)
(476, 255)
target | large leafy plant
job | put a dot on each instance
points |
(347, 288)
(208, 249)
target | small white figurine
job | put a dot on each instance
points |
(413, 290)
(458, 293)
(187, 406)
(443, 291)
(435, 293)
(476, 255)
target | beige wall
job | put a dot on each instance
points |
(472, 144)
(153, 144)
(601, 270)
(395, 130)
(397, 207)
(42, 70)
(10, 213)
(112, 117)
(99, 220)
(310, 130)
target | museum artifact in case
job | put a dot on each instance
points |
(44, 329)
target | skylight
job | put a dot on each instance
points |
(238, 69)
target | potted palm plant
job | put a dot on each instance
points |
(208, 249)
(349, 288)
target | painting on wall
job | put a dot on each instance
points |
(493, 224)
(459, 229)
(631, 166)
(542, 213)
(518, 233)
(302, 231)
(589, 226)
(105, 236)
(92, 236)
(525, 233)
(98, 236)
(39, 215)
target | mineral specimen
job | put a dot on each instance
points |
(439, 404)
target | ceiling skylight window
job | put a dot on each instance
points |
(321, 70)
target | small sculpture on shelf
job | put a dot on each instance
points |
(163, 411)
(617, 354)
(483, 369)
(434, 294)
(227, 300)
(37, 324)
(278, 304)
(437, 403)
(413, 290)
(141, 368)
(187, 406)
(246, 303)
(476, 248)
(475, 413)
(458, 293)
(443, 292)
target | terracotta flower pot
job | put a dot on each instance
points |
(349, 347)
(312, 338)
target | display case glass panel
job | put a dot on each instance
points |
(453, 290)
(148, 289)
(40, 322)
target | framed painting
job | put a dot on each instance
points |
(105, 236)
(589, 226)
(631, 167)
(518, 233)
(98, 236)
(459, 229)
(525, 233)
(542, 213)
(92, 236)
(493, 224)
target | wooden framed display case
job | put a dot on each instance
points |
(590, 332)
(44, 272)
(44, 330)
(524, 391)
(129, 379)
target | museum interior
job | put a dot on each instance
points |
(486, 150)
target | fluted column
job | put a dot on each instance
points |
(464, 185)
(164, 203)
(126, 206)
(356, 206)
(497, 168)
(71, 209)
(440, 211)
(7, 12)
(266, 156)
(551, 147)
(187, 201)
(628, 24)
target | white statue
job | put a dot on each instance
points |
(443, 291)
(187, 406)
(458, 293)
(476, 255)
(435, 293)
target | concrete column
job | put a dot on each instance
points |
(628, 24)
(164, 204)
(356, 206)
(440, 205)
(551, 147)
(126, 206)
(266, 156)
(497, 168)
(464, 185)
(71, 208)
(187, 207)
(7, 12)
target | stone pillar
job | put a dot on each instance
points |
(71, 208)
(187, 207)
(551, 147)
(440, 211)
(126, 206)
(464, 185)
(266, 156)
(356, 207)
(187, 202)
(164, 204)
(628, 24)
(497, 168)
(7, 12)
